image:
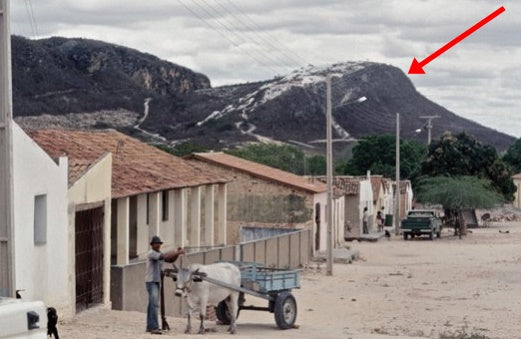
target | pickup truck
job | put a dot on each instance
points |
(22, 319)
(421, 222)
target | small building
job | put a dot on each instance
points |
(358, 194)
(517, 195)
(263, 196)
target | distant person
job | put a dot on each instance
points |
(155, 260)
(365, 218)
(380, 221)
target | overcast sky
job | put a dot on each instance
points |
(235, 41)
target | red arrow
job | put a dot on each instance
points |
(417, 67)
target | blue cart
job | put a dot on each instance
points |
(272, 284)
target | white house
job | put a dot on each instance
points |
(41, 225)
(358, 194)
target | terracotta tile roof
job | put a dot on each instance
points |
(376, 183)
(77, 167)
(348, 184)
(517, 176)
(261, 171)
(404, 184)
(136, 167)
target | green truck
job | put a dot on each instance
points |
(421, 222)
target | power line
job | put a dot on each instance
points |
(255, 25)
(30, 16)
(261, 62)
(285, 59)
(236, 35)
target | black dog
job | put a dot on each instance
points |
(52, 321)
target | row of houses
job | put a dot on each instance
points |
(87, 202)
(373, 192)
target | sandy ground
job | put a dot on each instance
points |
(402, 289)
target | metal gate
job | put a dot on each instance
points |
(89, 258)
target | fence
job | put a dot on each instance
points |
(127, 290)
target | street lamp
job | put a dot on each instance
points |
(428, 125)
(329, 174)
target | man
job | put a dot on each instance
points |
(155, 260)
(365, 219)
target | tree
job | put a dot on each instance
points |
(513, 156)
(378, 154)
(463, 155)
(284, 157)
(456, 194)
(183, 149)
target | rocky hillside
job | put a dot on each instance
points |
(167, 103)
(59, 75)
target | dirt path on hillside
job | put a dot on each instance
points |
(417, 288)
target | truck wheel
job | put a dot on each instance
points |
(285, 310)
(404, 236)
(438, 234)
(431, 235)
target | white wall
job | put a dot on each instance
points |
(41, 270)
(366, 200)
(93, 187)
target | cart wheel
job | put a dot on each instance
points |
(223, 314)
(285, 310)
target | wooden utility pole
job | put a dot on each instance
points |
(329, 176)
(397, 190)
(7, 273)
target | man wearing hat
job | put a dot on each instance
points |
(155, 260)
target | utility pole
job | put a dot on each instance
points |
(428, 125)
(7, 272)
(397, 190)
(329, 176)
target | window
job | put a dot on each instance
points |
(165, 205)
(40, 219)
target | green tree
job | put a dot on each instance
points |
(378, 154)
(513, 156)
(284, 157)
(463, 155)
(456, 194)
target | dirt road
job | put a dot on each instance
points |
(417, 288)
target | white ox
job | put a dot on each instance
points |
(200, 294)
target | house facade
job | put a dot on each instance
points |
(89, 214)
(152, 193)
(406, 198)
(41, 237)
(147, 192)
(358, 194)
(262, 196)
(517, 195)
